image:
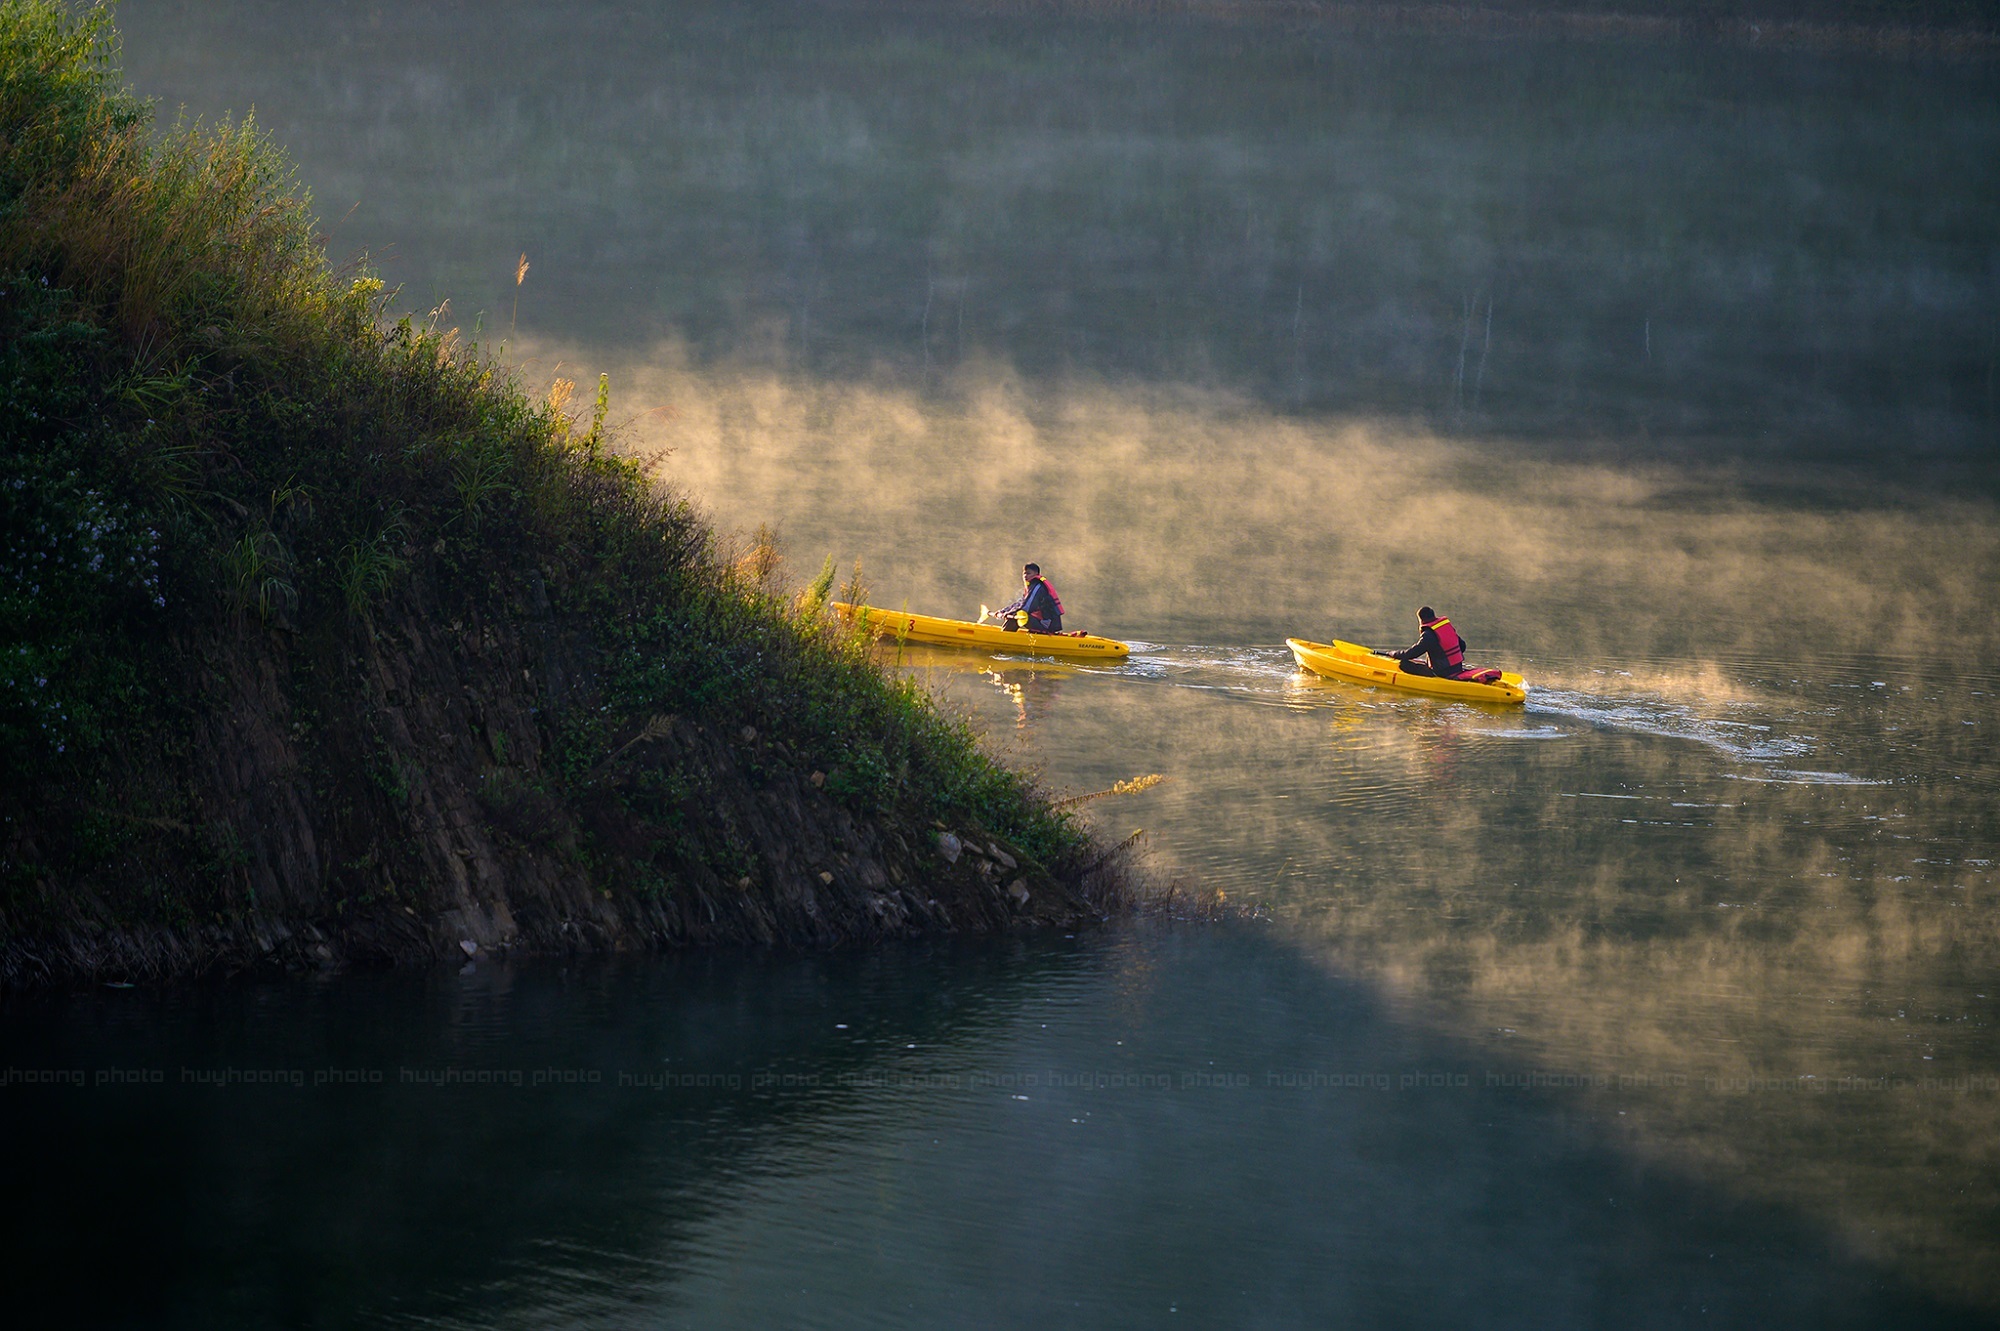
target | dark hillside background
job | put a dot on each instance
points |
(1673, 242)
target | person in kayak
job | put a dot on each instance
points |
(1039, 603)
(1440, 645)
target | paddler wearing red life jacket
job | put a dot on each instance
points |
(1440, 643)
(1039, 603)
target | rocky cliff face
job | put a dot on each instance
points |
(394, 793)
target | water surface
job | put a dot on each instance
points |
(1667, 997)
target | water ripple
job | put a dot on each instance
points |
(1670, 720)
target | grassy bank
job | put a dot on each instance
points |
(322, 638)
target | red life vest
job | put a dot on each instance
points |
(1050, 587)
(1448, 639)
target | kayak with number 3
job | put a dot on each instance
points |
(903, 626)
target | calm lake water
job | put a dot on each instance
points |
(1667, 371)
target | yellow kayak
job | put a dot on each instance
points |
(1350, 661)
(929, 629)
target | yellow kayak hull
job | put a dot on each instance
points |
(903, 626)
(1358, 665)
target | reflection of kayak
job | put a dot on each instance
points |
(1346, 660)
(906, 627)
(923, 656)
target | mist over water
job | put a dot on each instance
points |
(1660, 249)
(1665, 370)
(1180, 513)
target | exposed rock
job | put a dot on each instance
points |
(389, 835)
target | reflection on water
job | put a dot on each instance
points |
(1110, 1131)
(1762, 923)
(1198, 318)
(1032, 685)
(1033, 694)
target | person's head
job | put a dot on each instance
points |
(1426, 615)
(1029, 572)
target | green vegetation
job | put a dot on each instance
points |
(228, 480)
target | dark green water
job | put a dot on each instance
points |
(1108, 1131)
(1668, 998)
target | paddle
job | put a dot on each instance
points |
(997, 616)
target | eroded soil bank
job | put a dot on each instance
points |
(397, 799)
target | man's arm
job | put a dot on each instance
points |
(1421, 647)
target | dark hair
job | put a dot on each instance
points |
(1427, 613)
(1031, 568)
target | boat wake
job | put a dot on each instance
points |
(1746, 730)
(1746, 741)
(1745, 733)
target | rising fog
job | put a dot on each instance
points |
(1164, 512)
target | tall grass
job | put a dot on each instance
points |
(178, 242)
